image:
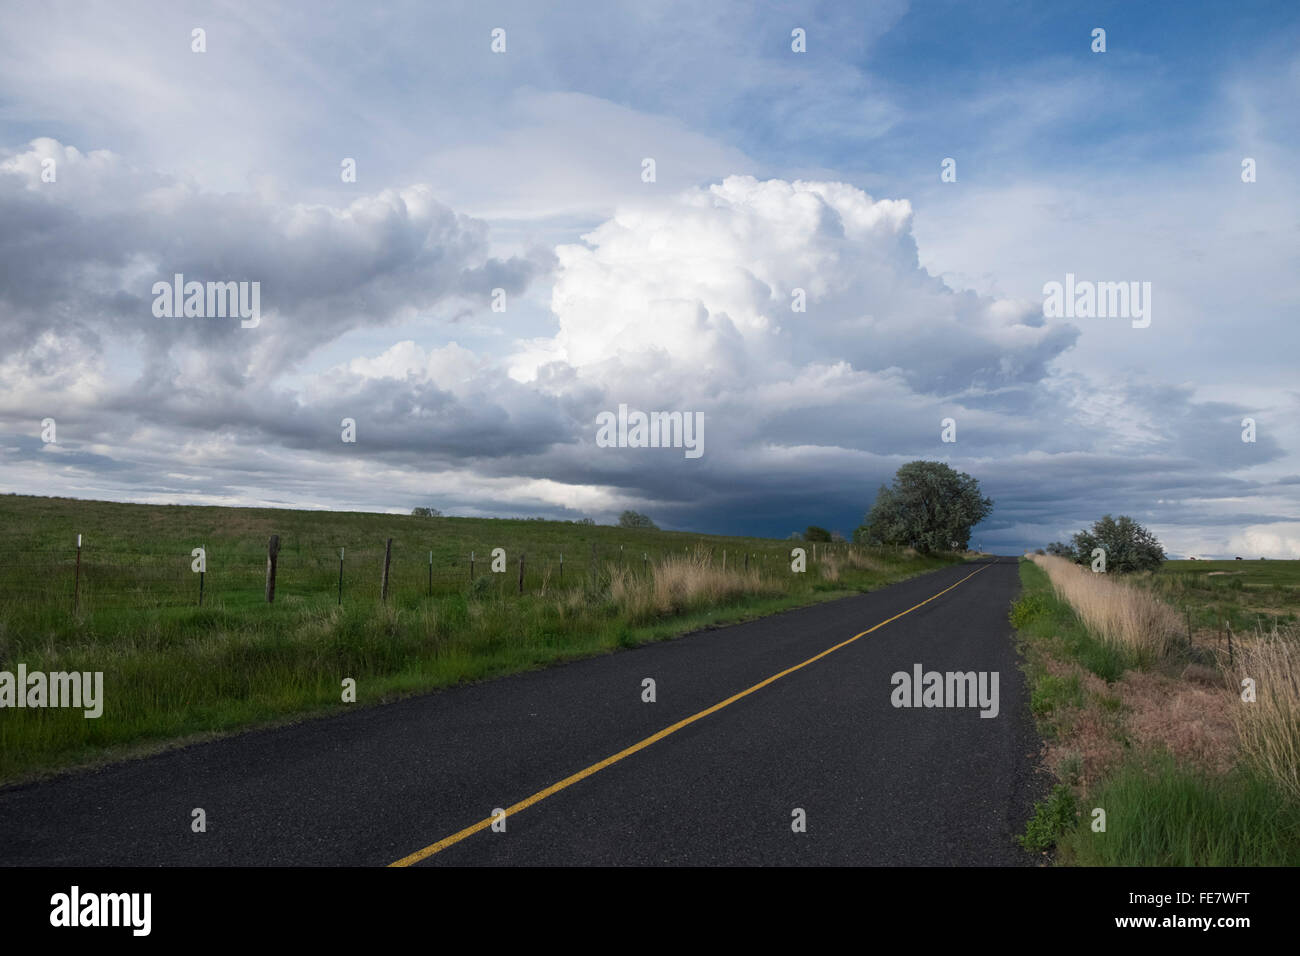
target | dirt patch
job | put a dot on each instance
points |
(1187, 715)
(1191, 720)
(1092, 747)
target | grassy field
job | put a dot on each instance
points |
(175, 671)
(136, 556)
(1151, 728)
(1244, 594)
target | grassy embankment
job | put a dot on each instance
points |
(1151, 728)
(174, 671)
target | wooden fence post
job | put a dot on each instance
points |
(272, 554)
(341, 550)
(471, 567)
(521, 572)
(76, 582)
(388, 557)
(201, 573)
(561, 567)
(430, 574)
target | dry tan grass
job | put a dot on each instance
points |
(832, 562)
(681, 582)
(863, 561)
(1122, 615)
(1269, 727)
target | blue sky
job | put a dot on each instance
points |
(775, 170)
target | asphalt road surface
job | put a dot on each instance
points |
(713, 772)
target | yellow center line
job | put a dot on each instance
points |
(569, 781)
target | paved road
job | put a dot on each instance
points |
(878, 784)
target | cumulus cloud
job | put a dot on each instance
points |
(1279, 540)
(708, 280)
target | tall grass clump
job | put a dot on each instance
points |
(834, 564)
(681, 583)
(1123, 616)
(1269, 728)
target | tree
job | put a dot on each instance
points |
(633, 519)
(1128, 545)
(930, 507)
(426, 512)
(1061, 550)
(815, 533)
(874, 531)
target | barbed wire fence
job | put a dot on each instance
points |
(87, 578)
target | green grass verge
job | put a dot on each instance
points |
(1052, 625)
(1160, 814)
(1053, 817)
